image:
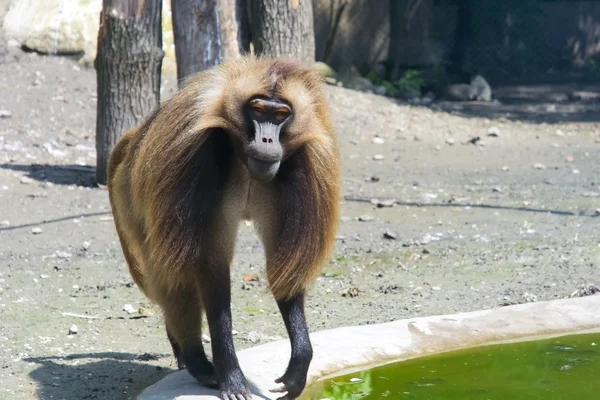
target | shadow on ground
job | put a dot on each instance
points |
(584, 212)
(108, 375)
(81, 175)
(550, 103)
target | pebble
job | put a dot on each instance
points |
(559, 133)
(86, 245)
(377, 140)
(378, 157)
(389, 235)
(493, 131)
(205, 338)
(365, 218)
(73, 330)
(25, 180)
(5, 223)
(539, 166)
(5, 114)
(36, 231)
(62, 254)
(128, 308)
(505, 168)
(450, 141)
(436, 288)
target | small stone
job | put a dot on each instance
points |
(5, 223)
(25, 180)
(436, 288)
(36, 231)
(389, 235)
(44, 276)
(378, 157)
(377, 140)
(86, 245)
(569, 159)
(383, 203)
(205, 338)
(496, 189)
(505, 168)
(62, 254)
(73, 330)
(559, 133)
(539, 166)
(234, 332)
(5, 114)
(576, 171)
(530, 297)
(450, 141)
(590, 194)
(493, 131)
(128, 308)
(365, 218)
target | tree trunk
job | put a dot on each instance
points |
(283, 28)
(127, 66)
(228, 25)
(196, 35)
(411, 42)
(242, 15)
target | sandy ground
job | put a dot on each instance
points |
(510, 218)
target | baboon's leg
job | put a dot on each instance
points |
(183, 311)
(294, 378)
(216, 297)
(176, 350)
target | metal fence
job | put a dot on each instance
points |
(530, 40)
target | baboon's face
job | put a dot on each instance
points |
(264, 150)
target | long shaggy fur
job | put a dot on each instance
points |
(170, 177)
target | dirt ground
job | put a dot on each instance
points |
(462, 224)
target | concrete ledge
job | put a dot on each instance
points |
(348, 348)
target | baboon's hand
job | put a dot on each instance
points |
(293, 384)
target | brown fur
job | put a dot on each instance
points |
(178, 190)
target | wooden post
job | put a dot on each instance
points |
(128, 66)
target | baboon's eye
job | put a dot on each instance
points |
(281, 115)
(259, 112)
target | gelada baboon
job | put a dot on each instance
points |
(248, 139)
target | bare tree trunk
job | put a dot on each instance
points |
(410, 34)
(196, 35)
(242, 15)
(127, 66)
(228, 25)
(283, 28)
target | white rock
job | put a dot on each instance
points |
(205, 338)
(378, 157)
(54, 26)
(539, 166)
(377, 140)
(73, 330)
(36, 231)
(128, 308)
(25, 180)
(493, 131)
(5, 114)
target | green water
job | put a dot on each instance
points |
(566, 367)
